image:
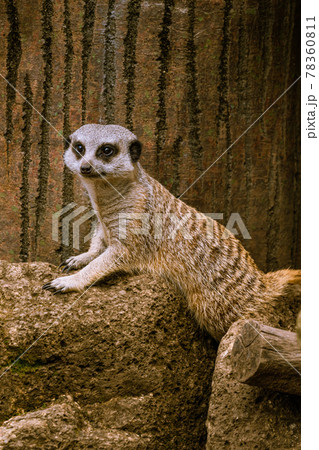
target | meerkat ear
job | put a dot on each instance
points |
(135, 150)
(67, 142)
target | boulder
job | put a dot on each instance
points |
(128, 352)
(64, 425)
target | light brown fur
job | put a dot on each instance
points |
(217, 275)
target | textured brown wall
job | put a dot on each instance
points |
(188, 77)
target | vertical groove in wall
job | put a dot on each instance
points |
(44, 144)
(14, 52)
(273, 219)
(266, 15)
(109, 65)
(289, 32)
(287, 130)
(192, 92)
(175, 189)
(223, 116)
(273, 213)
(133, 14)
(24, 188)
(87, 40)
(67, 188)
(164, 58)
(243, 90)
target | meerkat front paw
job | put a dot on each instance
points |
(76, 262)
(64, 284)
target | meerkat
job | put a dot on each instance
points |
(142, 226)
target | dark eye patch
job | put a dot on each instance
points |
(78, 149)
(106, 151)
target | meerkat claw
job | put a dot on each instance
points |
(64, 284)
(48, 287)
(53, 289)
(58, 291)
(64, 264)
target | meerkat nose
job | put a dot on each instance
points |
(86, 169)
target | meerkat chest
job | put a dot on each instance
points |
(108, 206)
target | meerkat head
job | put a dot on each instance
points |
(102, 151)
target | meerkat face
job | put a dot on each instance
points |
(102, 151)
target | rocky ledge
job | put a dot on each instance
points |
(125, 366)
(122, 366)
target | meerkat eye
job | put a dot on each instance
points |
(107, 150)
(79, 148)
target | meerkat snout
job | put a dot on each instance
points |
(86, 169)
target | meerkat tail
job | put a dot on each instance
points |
(286, 282)
(281, 302)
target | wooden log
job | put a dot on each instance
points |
(267, 357)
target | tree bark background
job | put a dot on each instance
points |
(187, 76)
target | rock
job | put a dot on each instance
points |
(246, 416)
(127, 351)
(63, 424)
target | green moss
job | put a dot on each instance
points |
(148, 131)
(24, 367)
